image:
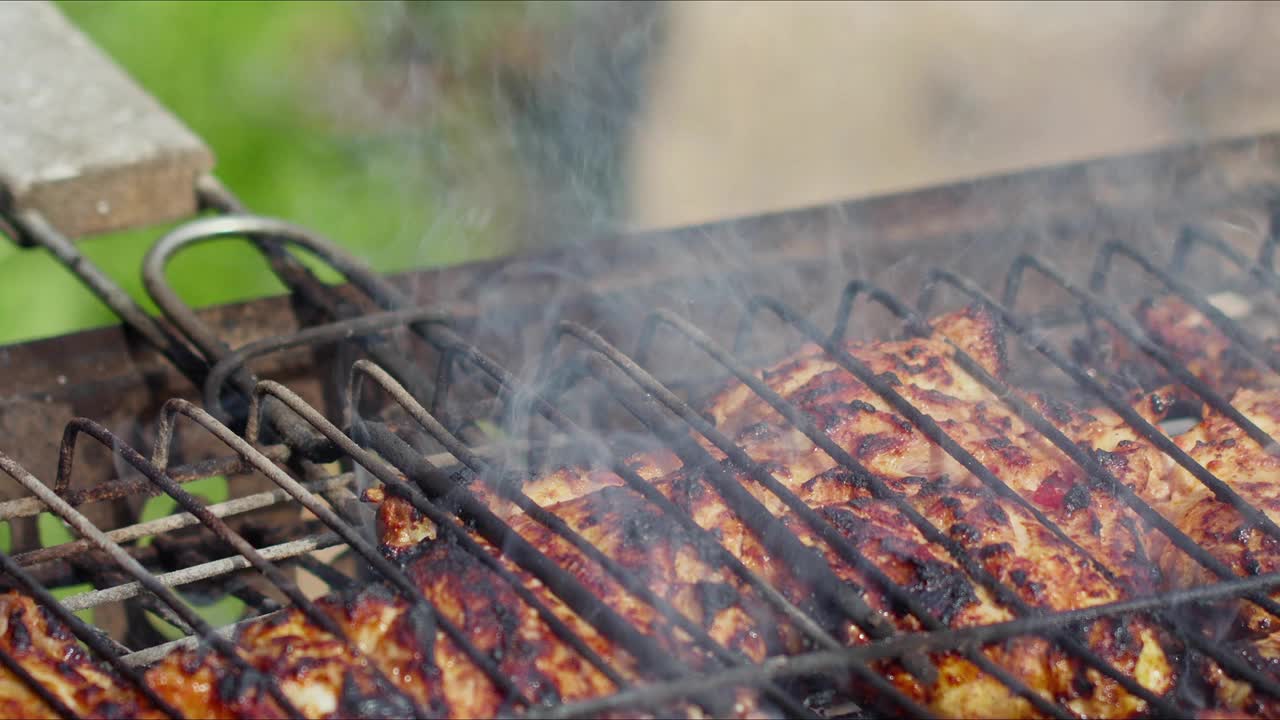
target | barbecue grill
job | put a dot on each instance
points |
(513, 366)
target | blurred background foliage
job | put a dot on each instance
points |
(414, 134)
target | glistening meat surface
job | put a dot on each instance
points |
(1003, 537)
(986, 533)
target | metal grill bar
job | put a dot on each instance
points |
(808, 563)
(399, 580)
(935, 433)
(356, 328)
(739, 457)
(920, 666)
(296, 434)
(203, 571)
(251, 676)
(1226, 325)
(406, 460)
(306, 286)
(503, 381)
(258, 560)
(34, 227)
(1193, 235)
(447, 525)
(575, 595)
(1220, 489)
(1144, 510)
(1148, 431)
(169, 523)
(803, 423)
(1145, 429)
(1041, 702)
(26, 678)
(1084, 460)
(121, 488)
(1094, 307)
(430, 324)
(382, 292)
(941, 641)
(101, 645)
(155, 653)
(932, 533)
(632, 583)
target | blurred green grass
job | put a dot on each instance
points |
(301, 136)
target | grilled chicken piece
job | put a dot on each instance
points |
(325, 678)
(1253, 472)
(925, 373)
(1223, 448)
(422, 672)
(1197, 343)
(53, 656)
(1000, 535)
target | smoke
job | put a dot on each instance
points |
(556, 132)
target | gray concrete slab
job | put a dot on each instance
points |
(80, 141)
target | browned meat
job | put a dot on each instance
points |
(320, 675)
(326, 679)
(1007, 541)
(51, 654)
(1199, 345)
(1252, 471)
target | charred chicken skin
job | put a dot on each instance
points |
(1113, 555)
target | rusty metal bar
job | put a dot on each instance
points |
(943, 640)
(569, 590)
(632, 583)
(85, 528)
(243, 447)
(1230, 661)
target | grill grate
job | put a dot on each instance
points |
(279, 429)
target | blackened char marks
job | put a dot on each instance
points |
(889, 378)
(930, 363)
(953, 505)
(1012, 455)
(852, 526)
(830, 384)
(994, 550)
(1077, 498)
(235, 687)
(876, 444)
(862, 406)
(20, 636)
(52, 625)
(942, 588)
(829, 415)
(1056, 410)
(1112, 461)
(996, 513)
(836, 474)
(966, 533)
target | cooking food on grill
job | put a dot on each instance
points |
(1002, 536)
(46, 650)
(973, 555)
(1247, 463)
